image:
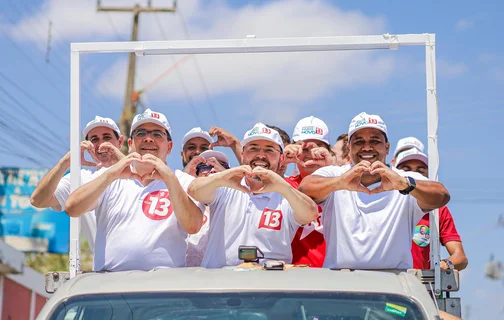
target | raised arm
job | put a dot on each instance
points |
(203, 189)
(86, 197)
(226, 139)
(43, 195)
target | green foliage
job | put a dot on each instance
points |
(46, 262)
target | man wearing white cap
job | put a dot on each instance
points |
(143, 213)
(310, 151)
(215, 161)
(252, 204)
(195, 142)
(416, 161)
(102, 141)
(369, 209)
(406, 144)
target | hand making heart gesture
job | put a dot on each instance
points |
(390, 180)
(351, 180)
(270, 181)
(190, 168)
(160, 170)
(232, 178)
(122, 169)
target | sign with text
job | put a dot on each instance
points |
(23, 226)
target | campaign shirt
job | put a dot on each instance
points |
(420, 247)
(368, 231)
(308, 245)
(198, 242)
(137, 228)
(237, 218)
(87, 220)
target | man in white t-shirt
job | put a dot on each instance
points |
(369, 209)
(102, 141)
(251, 204)
(143, 213)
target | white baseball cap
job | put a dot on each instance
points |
(101, 122)
(262, 132)
(196, 133)
(149, 116)
(311, 128)
(408, 143)
(411, 154)
(364, 120)
(221, 156)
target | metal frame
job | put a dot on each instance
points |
(252, 45)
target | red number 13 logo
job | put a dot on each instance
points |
(271, 219)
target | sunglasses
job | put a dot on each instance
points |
(204, 168)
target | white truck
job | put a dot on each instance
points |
(249, 292)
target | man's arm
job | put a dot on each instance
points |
(43, 195)
(226, 139)
(303, 207)
(86, 197)
(429, 194)
(204, 189)
(457, 255)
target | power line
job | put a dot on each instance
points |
(63, 74)
(112, 25)
(198, 70)
(181, 79)
(35, 119)
(12, 83)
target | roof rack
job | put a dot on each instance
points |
(251, 44)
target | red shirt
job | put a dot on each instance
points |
(308, 245)
(420, 248)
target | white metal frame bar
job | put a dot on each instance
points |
(252, 45)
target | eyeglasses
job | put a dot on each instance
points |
(156, 134)
(256, 149)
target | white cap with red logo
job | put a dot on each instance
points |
(364, 120)
(196, 133)
(408, 143)
(411, 154)
(311, 128)
(101, 122)
(149, 116)
(262, 132)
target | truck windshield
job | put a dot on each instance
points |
(238, 306)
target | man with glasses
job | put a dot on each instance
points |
(252, 204)
(102, 141)
(143, 213)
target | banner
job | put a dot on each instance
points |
(23, 226)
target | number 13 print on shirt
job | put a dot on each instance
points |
(157, 205)
(271, 219)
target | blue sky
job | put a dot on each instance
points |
(279, 89)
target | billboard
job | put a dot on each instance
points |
(23, 226)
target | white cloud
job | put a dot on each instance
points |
(275, 77)
(451, 69)
(468, 23)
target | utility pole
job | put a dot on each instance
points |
(130, 107)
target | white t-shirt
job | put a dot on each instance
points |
(197, 243)
(88, 220)
(237, 218)
(369, 231)
(137, 228)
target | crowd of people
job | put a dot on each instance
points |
(345, 207)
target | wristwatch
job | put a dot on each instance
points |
(411, 186)
(449, 263)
